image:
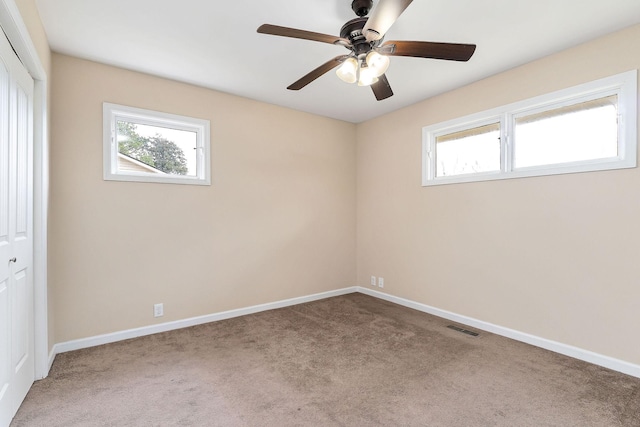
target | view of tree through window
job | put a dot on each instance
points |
(151, 146)
(167, 150)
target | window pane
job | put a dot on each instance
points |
(584, 131)
(468, 151)
(156, 150)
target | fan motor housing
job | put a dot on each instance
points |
(352, 31)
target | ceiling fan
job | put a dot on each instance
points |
(368, 59)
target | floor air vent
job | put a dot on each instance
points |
(464, 331)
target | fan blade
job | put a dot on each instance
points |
(381, 88)
(276, 30)
(324, 68)
(447, 51)
(382, 17)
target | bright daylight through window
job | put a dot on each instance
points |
(472, 150)
(149, 146)
(584, 128)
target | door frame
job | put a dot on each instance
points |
(14, 27)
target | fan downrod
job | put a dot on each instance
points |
(361, 7)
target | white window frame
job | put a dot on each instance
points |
(112, 113)
(623, 85)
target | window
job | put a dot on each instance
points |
(475, 150)
(585, 128)
(149, 146)
(578, 132)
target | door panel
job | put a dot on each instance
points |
(20, 323)
(4, 340)
(16, 225)
(22, 161)
(4, 155)
(5, 247)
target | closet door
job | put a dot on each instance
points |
(16, 229)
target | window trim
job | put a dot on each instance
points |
(114, 112)
(623, 85)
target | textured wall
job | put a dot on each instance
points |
(556, 256)
(277, 222)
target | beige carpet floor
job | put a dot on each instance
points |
(347, 361)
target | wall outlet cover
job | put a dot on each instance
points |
(158, 310)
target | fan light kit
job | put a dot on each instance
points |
(368, 59)
(366, 72)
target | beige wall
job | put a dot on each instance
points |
(556, 257)
(31, 18)
(550, 256)
(278, 221)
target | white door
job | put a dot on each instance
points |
(16, 240)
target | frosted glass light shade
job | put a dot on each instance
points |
(377, 63)
(367, 77)
(348, 71)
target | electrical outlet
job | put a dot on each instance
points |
(158, 310)
(373, 280)
(380, 282)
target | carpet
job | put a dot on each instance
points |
(352, 360)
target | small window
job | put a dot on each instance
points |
(585, 128)
(473, 150)
(149, 146)
(578, 132)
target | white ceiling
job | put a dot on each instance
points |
(214, 43)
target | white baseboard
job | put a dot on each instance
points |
(185, 323)
(52, 356)
(567, 350)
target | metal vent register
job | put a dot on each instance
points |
(464, 331)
